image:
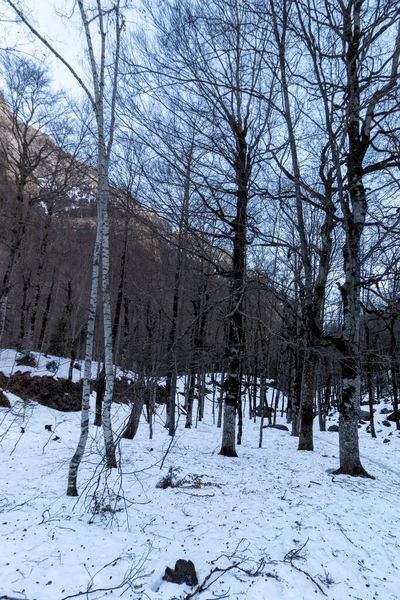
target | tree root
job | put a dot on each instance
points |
(228, 451)
(358, 471)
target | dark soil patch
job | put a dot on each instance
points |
(27, 360)
(4, 401)
(59, 394)
(62, 394)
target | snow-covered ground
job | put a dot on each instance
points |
(294, 530)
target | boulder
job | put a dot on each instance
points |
(333, 428)
(364, 414)
(392, 417)
(184, 572)
(386, 423)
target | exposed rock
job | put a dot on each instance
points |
(366, 402)
(184, 572)
(385, 411)
(277, 426)
(392, 417)
(333, 428)
(386, 441)
(364, 414)
(386, 423)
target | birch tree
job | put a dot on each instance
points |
(102, 25)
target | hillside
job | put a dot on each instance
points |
(293, 530)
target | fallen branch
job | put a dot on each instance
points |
(131, 575)
(221, 571)
(202, 587)
(295, 554)
(11, 598)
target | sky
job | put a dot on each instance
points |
(63, 30)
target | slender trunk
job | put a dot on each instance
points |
(189, 400)
(87, 374)
(394, 374)
(46, 316)
(136, 411)
(263, 391)
(297, 386)
(22, 322)
(220, 401)
(240, 419)
(152, 405)
(99, 388)
(369, 380)
(109, 445)
(252, 407)
(120, 294)
(214, 392)
(38, 286)
(201, 387)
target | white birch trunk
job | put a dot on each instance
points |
(87, 373)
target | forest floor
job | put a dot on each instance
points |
(273, 524)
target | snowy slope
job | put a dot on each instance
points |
(275, 512)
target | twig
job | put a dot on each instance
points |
(203, 586)
(195, 495)
(310, 577)
(292, 555)
(170, 444)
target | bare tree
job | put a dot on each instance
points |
(97, 16)
(217, 74)
(359, 93)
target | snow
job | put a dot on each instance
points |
(8, 366)
(275, 511)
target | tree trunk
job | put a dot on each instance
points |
(297, 386)
(46, 316)
(38, 286)
(220, 401)
(232, 384)
(307, 402)
(189, 400)
(22, 321)
(87, 374)
(136, 411)
(109, 445)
